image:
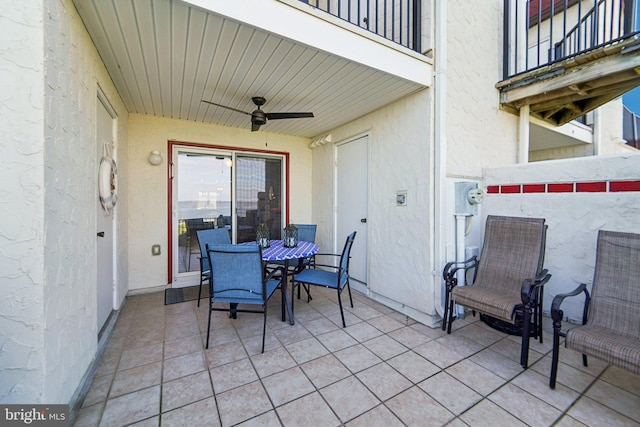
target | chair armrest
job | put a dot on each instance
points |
(335, 267)
(557, 314)
(452, 267)
(530, 285)
(326, 254)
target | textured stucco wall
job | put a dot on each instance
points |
(73, 70)
(573, 218)
(22, 201)
(49, 327)
(479, 134)
(148, 220)
(398, 237)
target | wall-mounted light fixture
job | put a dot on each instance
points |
(155, 158)
(321, 141)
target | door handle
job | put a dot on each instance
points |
(100, 233)
(363, 220)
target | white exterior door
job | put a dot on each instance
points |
(352, 183)
(104, 224)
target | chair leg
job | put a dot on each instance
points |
(539, 323)
(293, 291)
(446, 310)
(526, 332)
(264, 326)
(349, 289)
(344, 325)
(200, 291)
(450, 320)
(308, 290)
(209, 324)
(555, 354)
(232, 310)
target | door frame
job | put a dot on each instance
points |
(339, 240)
(174, 145)
(104, 101)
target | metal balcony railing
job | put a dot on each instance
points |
(542, 32)
(631, 128)
(395, 20)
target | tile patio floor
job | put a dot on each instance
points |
(382, 370)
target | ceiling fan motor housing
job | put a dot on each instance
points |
(258, 117)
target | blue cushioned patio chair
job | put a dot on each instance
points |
(336, 277)
(508, 282)
(238, 278)
(611, 313)
(306, 233)
(210, 236)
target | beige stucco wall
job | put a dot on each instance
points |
(48, 323)
(479, 134)
(399, 138)
(148, 190)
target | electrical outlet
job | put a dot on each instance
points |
(401, 198)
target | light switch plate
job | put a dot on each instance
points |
(401, 198)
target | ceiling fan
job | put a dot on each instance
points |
(259, 117)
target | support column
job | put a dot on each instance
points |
(523, 135)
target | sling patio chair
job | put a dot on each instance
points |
(238, 278)
(210, 236)
(610, 328)
(328, 276)
(508, 279)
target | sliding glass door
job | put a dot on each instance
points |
(214, 188)
(203, 201)
(259, 196)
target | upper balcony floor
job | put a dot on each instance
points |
(338, 59)
(565, 58)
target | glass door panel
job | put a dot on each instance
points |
(259, 194)
(203, 201)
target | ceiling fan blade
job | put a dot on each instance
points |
(224, 106)
(254, 127)
(276, 116)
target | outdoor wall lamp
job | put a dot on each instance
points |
(155, 158)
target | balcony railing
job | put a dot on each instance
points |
(542, 32)
(395, 20)
(631, 128)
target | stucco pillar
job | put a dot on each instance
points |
(523, 135)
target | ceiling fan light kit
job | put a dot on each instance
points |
(259, 117)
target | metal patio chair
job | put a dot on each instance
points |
(238, 278)
(328, 276)
(508, 279)
(610, 328)
(210, 236)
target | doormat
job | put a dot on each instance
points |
(190, 293)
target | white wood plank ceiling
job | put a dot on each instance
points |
(165, 56)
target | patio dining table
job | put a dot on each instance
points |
(278, 252)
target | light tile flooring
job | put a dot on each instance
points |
(382, 370)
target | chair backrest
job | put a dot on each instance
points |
(513, 250)
(615, 296)
(346, 251)
(211, 236)
(306, 232)
(236, 272)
